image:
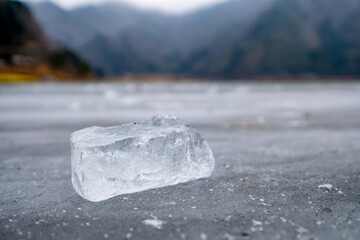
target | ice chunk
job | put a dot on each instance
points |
(327, 186)
(134, 157)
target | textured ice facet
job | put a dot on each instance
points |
(135, 157)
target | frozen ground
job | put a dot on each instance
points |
(274, 145)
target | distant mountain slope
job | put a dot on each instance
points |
(132, 51)
(77, 26)
(156, 42)
(25, 49)
(293, 37)
(19, 32)
(201, 27)
(238, 38)
(59, 25)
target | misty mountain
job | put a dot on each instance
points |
(202, 27)
(77, 26)
(234, 39)
(24, 48)
(293, 37)
(119, 39)
(133, 51)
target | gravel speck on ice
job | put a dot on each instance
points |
(256, 223)
(156, 223)
(327, 186)
(203, 236)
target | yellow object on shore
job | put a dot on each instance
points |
(13, 78)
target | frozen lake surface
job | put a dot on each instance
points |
(278, 149)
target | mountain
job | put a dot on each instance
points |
(238, 38)
(77, 26)
(120, 39)
(293, 37)
(19, 32)
(160, 44)
(132, 51)
(201, 27)
(25, 49)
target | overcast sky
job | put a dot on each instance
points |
(170, 6)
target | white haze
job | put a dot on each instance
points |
(168, 6)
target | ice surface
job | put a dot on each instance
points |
(134, 157)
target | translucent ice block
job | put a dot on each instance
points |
(134, 157)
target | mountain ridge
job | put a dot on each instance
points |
(232, 39)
